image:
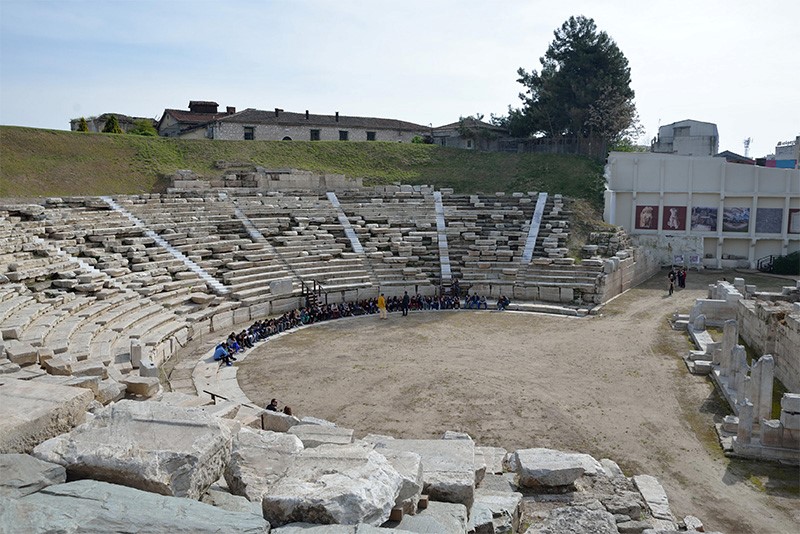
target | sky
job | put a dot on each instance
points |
(734, 63)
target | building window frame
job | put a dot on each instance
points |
(344, 135)
(314, 135)
(249, 133)
(372, 136)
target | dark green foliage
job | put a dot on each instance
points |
(583, 89)
(112, 125)
(144, 127)
(788, 265)
(82, 125)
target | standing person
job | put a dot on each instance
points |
(382, 306)
(405, 303)
(683, 277)
(671, 277)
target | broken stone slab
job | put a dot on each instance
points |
(146, 445)
(23, 474)
(316, 421)
(21, 353)
(110, 391)
(494, 510)
(576, 520)
(547, 467)
(58, 366)
(32, 412)
(633, 527)
(654, 496)
(94, 507)
(145, 386)
(258, 459)
(221, 498)
(611, 468)
(310, 528)
(448, 466)
(316, 435)
(277, 421)
(345, 484)
(492, 457)
(409, 466)
(437, 518)
(625, 503)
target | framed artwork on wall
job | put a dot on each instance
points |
(735, 219)
(769, 220)
(704, 219)
(646, 218)
(674, 218)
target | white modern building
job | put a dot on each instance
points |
(687, 138)
(704, 211)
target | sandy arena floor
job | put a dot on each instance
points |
(613, 386)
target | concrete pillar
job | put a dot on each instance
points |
(745, 429)
(136, 353)
(730, 335)
(764, 407)
(739, 371)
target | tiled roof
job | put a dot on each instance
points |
(188, 117)
(256, 116)
(470, 123)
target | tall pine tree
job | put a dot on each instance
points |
(112, 125)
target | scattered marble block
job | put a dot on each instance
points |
(654, 496)
(438, 517)
(147, 445)
(345, 484)
(278, 421)
(576, 520)
(32, 412)
(97, 507)
(23, 474)
(409, 465)
(316, 435)
(146, 386)
(496, 507)
(258, 459)
(548, 467)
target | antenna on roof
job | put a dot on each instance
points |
(747, 146)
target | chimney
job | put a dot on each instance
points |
(306, 114)
(277, 111)
(230, 110)
(337, 116)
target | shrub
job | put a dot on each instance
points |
(112, 125)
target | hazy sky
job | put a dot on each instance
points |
(734, 62)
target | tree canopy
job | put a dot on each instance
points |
(144, 127)
(583, 89)
(112, 125)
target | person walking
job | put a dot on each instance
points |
(405, 303)
(382, 307)
(671, 277)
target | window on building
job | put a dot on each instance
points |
(249, 133)
(344, 135)
(315, 135)
(469, 143)
(371, 136)
(286, 138)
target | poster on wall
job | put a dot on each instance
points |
(735, 219)
(674, 218)
(695, 259)
(769, 220)
(647, 217)
(677, 259)
(794, 221)
(704, 219)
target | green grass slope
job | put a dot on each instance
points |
(35, 163)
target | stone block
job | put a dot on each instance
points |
(148, 445)
(258, 459)
(146, 386)
(624, 503)
(32, 412)
(90, 368)
(282, 286)
(23, 474)
(495, 511)
(409, 466)
(790, 421)
(316, 435)
(21, 353)
(730, 423)
(448, 466)
(110, 391)
(58, 366)
(492, 457)
(654, 496)
(92, 506)
(790, 402)
(771, 433)
(277, 421)
(148, 368)
(438, 517)
(576, 520)
(547, 467)
(550, 294)
(347, 484)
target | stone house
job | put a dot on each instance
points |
(469, 134)
(204, 122)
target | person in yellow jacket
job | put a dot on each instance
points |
(382, 307)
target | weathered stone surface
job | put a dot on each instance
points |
(23, 474)
(110, 391)
(495, 510)
(310, 528)
(611, 468)
(277, 421)
(492, 457)
(32, 412)
(58, 366)
(258, 459)
(575, 520)
(232, 503)
(448, 466)
(147, 445)
(21, 353)
(548, 467)
(437, 518)
(624, 503)
(409, 466)
(89, 506)
(345, 484)
(316, 435)
(654, 496)
(146, 386)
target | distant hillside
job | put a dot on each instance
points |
(35, 162)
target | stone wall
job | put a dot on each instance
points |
(773, 328)
(628, 269)
(266, 180)
(270, 132)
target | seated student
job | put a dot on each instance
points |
(220, 352)
(273, 405)
(287, 410)
(483, 304)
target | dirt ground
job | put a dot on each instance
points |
(612, 385)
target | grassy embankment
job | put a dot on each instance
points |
(35, 163)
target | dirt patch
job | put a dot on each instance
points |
(613, 386)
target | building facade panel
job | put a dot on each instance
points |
(234, 131)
